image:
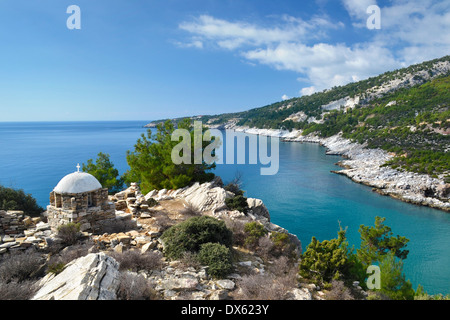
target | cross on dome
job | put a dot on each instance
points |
(78, 167)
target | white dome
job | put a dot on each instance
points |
(77, 182)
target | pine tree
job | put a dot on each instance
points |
(103, 169)
(378, 241)
(325, 261)
(151, 163)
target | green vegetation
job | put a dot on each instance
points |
(151, 164)
(282, 245)
(204, 239)
(393, 283)
(325, 261)
(191, 234)
(333, 260)
(217, 257)
(253, 232)
(103, 169)
(238, 202)
(421, 294)
(408, 123)
(12, 199)
(378, 241)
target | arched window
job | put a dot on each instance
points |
(90, 202)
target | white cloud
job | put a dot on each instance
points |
(326, 65)
(284, 97)
(420, 26)
(191, 44)
(307, 91)
(232, 35)
(357, 9)
(411, 32)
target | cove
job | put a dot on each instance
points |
(304, 197)
(307, 199)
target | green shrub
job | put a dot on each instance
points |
(253, 231)
(56, 268)
(192, 233)
(393, 282)
(238, 203)
(217, 257)
(152, 202)
(11, 199)
(325, 261)
(282, 245)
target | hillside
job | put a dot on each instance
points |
(405, 112)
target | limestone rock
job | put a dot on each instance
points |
(92, 277)
(205, 197)
(258, 208)
(299, 294)
(226, 284)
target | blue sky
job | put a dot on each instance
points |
(153, 59)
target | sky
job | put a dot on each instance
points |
(157, 59)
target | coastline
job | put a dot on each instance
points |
(365, 166)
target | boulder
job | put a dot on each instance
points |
(299, 294)
(92, 277)
(205, 197)
(258, 208)
(443, 190)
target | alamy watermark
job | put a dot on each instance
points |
(258, 148)
(374, 279)
(74, 20)
(374, 20)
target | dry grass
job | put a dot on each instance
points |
(134, 260)
(135, 287)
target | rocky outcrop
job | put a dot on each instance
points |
(130, 200)
(257, 208)
(92, 277)
(206, 197)
(96, 276)
(209, 198)
(19, 232)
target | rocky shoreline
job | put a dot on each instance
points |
(364, 165)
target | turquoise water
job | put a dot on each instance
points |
(304, 197)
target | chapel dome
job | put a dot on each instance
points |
(77, 182)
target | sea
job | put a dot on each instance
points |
(304, 197)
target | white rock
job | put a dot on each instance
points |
(299, 294)
(92, 277)
(205, 197)
(226, 284)
(258, 208)
(41, 226)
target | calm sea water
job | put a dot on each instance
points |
(304, 197)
